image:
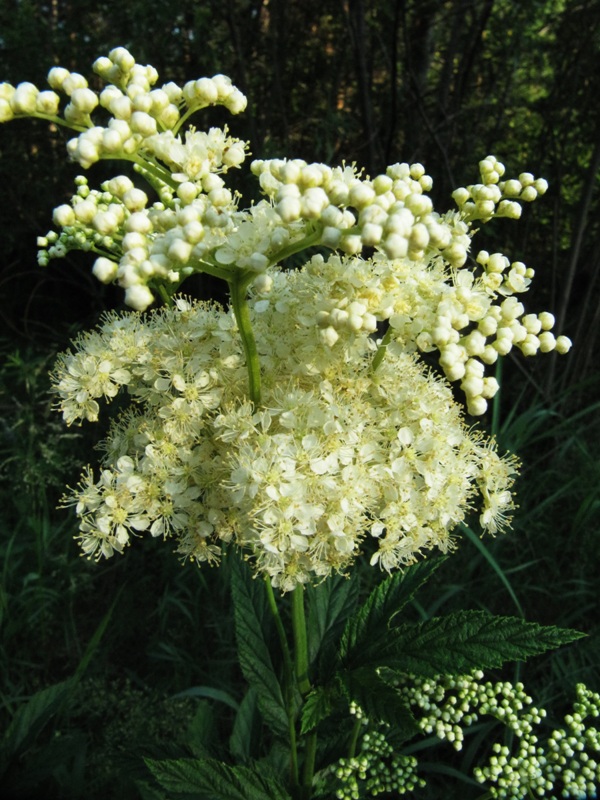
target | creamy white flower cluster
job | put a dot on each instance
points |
(428, 309)
(351, 444)
(336, 460)
(421, 283)
(567, 764)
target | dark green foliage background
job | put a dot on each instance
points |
(444, 82)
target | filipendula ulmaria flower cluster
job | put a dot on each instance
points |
(301, 422)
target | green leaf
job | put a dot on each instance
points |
(371, 623)
(380, 702)
(252, 616)
(319, 705)
(214, 780)
(244, 734)
(201, 733)
(461, 641)
(211, 693)
(30, 719)
(329, 605)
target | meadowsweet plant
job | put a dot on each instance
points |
(317, 420)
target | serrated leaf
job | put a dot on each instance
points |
(213, 780)
(329, 604)
(460, 642)
(380, 702)
(319, 705)
(252, 614)
(371, 623)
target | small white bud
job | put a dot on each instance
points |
(47, 103)
(313, 202)
(122, 58)
(85, 100)
(56, 77)
(371, 234)
(138, 297)
(187, 192)
(395, 246)
(563, 344)
(476, 406)
(258, 262)
(143, 123)
(351, 245)
(105, 270)
(360, 194)
(512, 188)
(461, 196)
(331, 237)
(180, 250)
(546, 320)
(528, 195)
(547, 341)
(329, 336)
(206, 91)
(63, 215)
(289, 209)
(263, 283)
(530, 345)
(24, 99)
(135, 199)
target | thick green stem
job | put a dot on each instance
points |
(300, 640)
(239, 303)
(288, 681)
(354, 738)
(308, 773)
(303, 682)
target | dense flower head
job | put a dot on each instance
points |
(338, 458)
(302, 422)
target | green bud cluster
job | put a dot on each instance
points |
(376, 770)
(567, 764)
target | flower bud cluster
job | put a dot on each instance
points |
(573, 752)
(494, 197)
(446, 705)
(137, 111)
(26, 100)
(376, 770)
(392, 212)
(478, 319)
(567, 763)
